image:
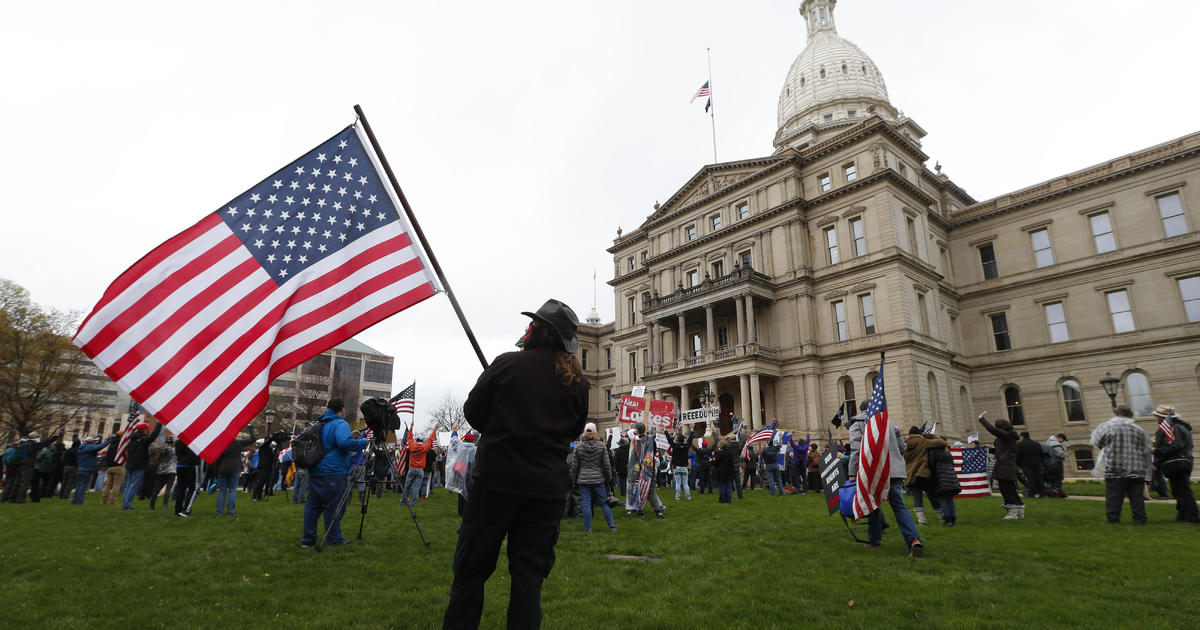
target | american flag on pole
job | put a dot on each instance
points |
(401, 461)
(874, 457)
(135, 416)
(315, 253)
(970, 464)
(406, 400)
(762, 435)
(703, 91)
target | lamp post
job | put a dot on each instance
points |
(269, 415)
(706, 399)
(1110, 383)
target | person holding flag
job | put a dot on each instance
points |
(1173, 454)
(877, 467)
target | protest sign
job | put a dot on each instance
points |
(692, 416)
(639, 391)
(832, 477)
(662, 415)
(632, 409)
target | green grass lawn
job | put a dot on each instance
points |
(765, 562)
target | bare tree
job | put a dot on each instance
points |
(302, 402)
(447, 413)
(43, 376)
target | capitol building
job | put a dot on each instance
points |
(776, 282)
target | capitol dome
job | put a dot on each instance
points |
(831, 85)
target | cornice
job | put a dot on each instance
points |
(770, 165)
(855, 133)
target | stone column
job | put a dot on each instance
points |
(682, 337)
(744, 387)
(753, 334)
(685, 397)
(649, 346)
(755, 408)
(712, 335)
(741, 325)
(812, 400)
(656, 349)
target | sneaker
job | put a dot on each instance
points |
(613, 529)
(587, 531)
(659, 514)
(916, 550)
(181, 514)
(306, 545)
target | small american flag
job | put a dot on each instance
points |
(970, 464)
(406, 401)
(303, 260)
(874, 457)
(703, 91)
(401, 461)
(762, 435)
(1167, 429)
(135, 416)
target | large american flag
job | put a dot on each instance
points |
(970, 464)
(135, 416)
(874, 457)
(406, 400)
(315, 253)
(762, 435)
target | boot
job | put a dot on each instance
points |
(920, 512)
(1020, 511)
(949, 522)
(1013, 513)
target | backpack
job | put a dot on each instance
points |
(308, 448)
(16, 455)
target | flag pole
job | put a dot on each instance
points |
(412, 219)
(712, 111)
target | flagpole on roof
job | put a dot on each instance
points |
(712, 112)
(412, 219)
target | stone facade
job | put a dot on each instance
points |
(777, 282)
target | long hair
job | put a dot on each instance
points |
(589, 437)
(566, 365)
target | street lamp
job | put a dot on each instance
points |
(706, 399)
(1110, 383)
(270, 415)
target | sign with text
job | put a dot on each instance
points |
(633, 409)
(639, 391)
(662, 415)
(692, 416)
(833, 476)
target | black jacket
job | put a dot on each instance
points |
(679, 450)
(229, 463)
(1029, 454)
(725, 464)
(184, 456)
(528, 419)
(137, 454)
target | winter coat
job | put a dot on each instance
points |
(916, 458)
(1181, 446)
(895, 459)
(770, 456)
(1029, 454)
(622, 454)
(725, 464)
(528, 419)
(418, 451)
(338, 444)
(229, 463)
(184, 456)
(704, 458)
(1006, 451)
(71, 456)
(945, 481)
(1053, 454)
(591, 465)
(87, 461)
(137, 454)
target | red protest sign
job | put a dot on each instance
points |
(632, 409)
(662, 415)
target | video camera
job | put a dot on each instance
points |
(381, 418)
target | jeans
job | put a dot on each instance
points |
(774, 482)
(325, 499)
(725, 491)
(227, 489)
(903, 518)
(531, 526)
(412, 485)
(946, 504)
(133, 483)
(82, 481)
(595, 491)
(1115, 491)
(799, 478)
(300, 486)
(681, 481)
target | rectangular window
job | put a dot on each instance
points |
(1000, 331)
(645, 257)
(718, 269)
(608, 358)
(1056, 319)
(850, 170)
(608, 399)
(828, 117)
(633, 367)
(747, 259)
(378, 372)
(1102, 232)
(743, 210)
(987, 257)
(850, 113)
(1171, 210)
(696, 349)
(860, 239)
(715, 221)
(722, 337)
(690, 231)
(583, 357)
(317, 366)
(1043, 255)
(831, 244)
(1189, 288)
(693, 277)
(911, 224)
(1122, 313)
(631, 263)
(839, 320)
(866, 306)
(923, 314)
(825, 182)
(632, 309)
(347, 370)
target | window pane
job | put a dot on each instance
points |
(1041, 239)
(1172, 214)
(831, 244)
(1073, 399)
(1175, 226)
(1105, 243)
(1118, 305)
(743, 210)
(1189, 288)
(839, 320)
(1118, 301)
(1012, 404)
(1100, 223)
(1102, 233)
(1045, 258)
(851, 173)
(1056, 319)
(867, 306)
(856, 232)
(824, 180)
(1122, 322)
(987, 257)
(1041, 248)
(1000, 332)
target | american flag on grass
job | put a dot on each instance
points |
(315, 253)
(874, 457)
(135, 416)
(970, 464)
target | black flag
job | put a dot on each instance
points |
(837, 419)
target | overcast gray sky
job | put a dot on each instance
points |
(522, 133)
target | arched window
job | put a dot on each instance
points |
(1083, 458)
(822, 72)
(848, 401)
(934, 409)
(1137, 387)
(1072, 397)
(1012, 404)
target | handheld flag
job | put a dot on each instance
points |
(135, 415)
(874, 457)
(762, 435)
(198, 328)
(970, 464)
(837, 418)
(406, 401)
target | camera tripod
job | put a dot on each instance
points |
(390, 478)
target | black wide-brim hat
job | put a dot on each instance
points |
(562, 319)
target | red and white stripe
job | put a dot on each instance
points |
(123, 444)
(874, 462)
(1167, 429)
(971, 484)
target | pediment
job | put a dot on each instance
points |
(710, 181)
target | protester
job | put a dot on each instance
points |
(1053, 456)
(114, 473)
(590, 471)
(329, 480)
(87, 465)
(70, 467)
(227, 468)
(749, 469)
(814, 467)
(798, 464)
(1005, 471)
(896, 476)
(1123, 449)
(460, 464)
(43, 484)
(137, 459)
(639, 441)
(725, 470)
(417, 451)
(528, 405)
(1029, 460)
(185, 470)
(769, 456)
(164, 481)
(1173, 452)
(681, 444)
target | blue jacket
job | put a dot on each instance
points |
(87, 455)
(335, 437)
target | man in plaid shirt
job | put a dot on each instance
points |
(1125, 447)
